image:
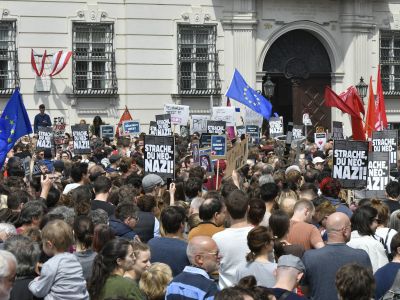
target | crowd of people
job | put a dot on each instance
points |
(97, 227)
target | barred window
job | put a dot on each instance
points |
(94, 59)
(8, 57)
(197, 60)
(390, 61)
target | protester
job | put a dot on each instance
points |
(392, 192)
(8, 266)
(102, 186)
(41, 119)
(142, 261)
(154, 281)
(125, 220)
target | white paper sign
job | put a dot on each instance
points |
(226, 114)
(252, 118)
(179, 113)
(199, 123)
(320, 140)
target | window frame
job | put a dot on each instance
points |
(389, 61)
(11, 78)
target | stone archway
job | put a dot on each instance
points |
(300, 66)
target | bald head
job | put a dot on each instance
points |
(199, 245)
(337, 226)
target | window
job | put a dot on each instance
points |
(8, 57)
(390, 61)
(94, 59)
(197, 60)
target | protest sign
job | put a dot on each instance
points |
(218, 146)
(337, 131)
(45, 138)
(297, 132)
(80, 136)
(107, 131)
(59, 130)
(236, 157)
(195, 146)
(205, 160)
(252, 118)
(275, 126)
(386, 141)
(216, 127)
(205, 140)
(226, 114)
(199, 124)
(378, 172)
(131, 127)
(184, 131)
(350, 163)
(163, 125)
(159, 156)
(240, 130)
(320, 140)
(153, 128)
(254, 132)
(179, 113)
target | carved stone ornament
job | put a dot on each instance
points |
(6, 12)
(296, 68)
(81, 14)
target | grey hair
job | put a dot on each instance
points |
(5, 259)
(99, 216)
(191, 251)
(27, 253)
(68, 213)
(265, 179)
(8, 228)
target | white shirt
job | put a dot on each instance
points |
(70, 186)
(383, 233)
(232, 245)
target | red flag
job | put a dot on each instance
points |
(370, 120)
(333, 100)
(381, 120)
(126, 116)
(230, 130)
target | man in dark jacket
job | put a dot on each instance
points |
(126, 217)
(41, 119)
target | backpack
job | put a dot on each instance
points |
(394, 292)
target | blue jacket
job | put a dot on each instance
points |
(121, 229)
(41, 121)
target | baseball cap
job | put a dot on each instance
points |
(318, 160)
(293, 167)
(150, 181)
(58, 164)
(291, 261)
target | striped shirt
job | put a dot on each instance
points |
(192, 283)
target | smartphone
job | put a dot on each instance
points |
(169, 181)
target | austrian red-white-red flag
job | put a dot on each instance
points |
(59, 61)
(380, 120)
(38, 66)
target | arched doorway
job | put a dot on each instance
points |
(299, 65)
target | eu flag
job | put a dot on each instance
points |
(240, 91)
(14, 123)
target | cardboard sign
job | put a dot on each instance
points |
(163, 125)
(80, 136)
(45, 138)
(59, 130)
(386, 141)
(254, 132)
(297, 132)
(320, 140)
(131, 127)
(240, 130)
(252, 118)
(107, 131)
(337, 131)
(350, 163)
(199, 124)
(218, 146)
(153, 128)
(159, 156)
(205, 140)
(195, 146)
(226, 114)
(179, 113)
(236, 157)
(216, 127)
(275, 127)
(378, 171)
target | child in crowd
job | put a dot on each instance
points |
(61, 276)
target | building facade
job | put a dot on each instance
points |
(144, 54)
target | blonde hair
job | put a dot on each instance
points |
(59, 233)
(155, 280)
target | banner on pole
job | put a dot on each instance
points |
(275, 126)
(80, 135)
(131, 127)
(218, 146)
(216, 127)
(107, 131)
(159, 156)
(226, 114)
(386, 141)
(320, 140)
(378, 173)
(199, 124)
(236, 157)
(45, 138)
(163, 125)
(179, 113)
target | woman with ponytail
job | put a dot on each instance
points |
(260, 243)
(109, 266)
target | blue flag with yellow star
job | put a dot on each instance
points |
(240, 91)
(14, 123)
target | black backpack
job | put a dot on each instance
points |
(394, 292)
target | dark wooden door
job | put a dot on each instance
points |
(308, 97)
